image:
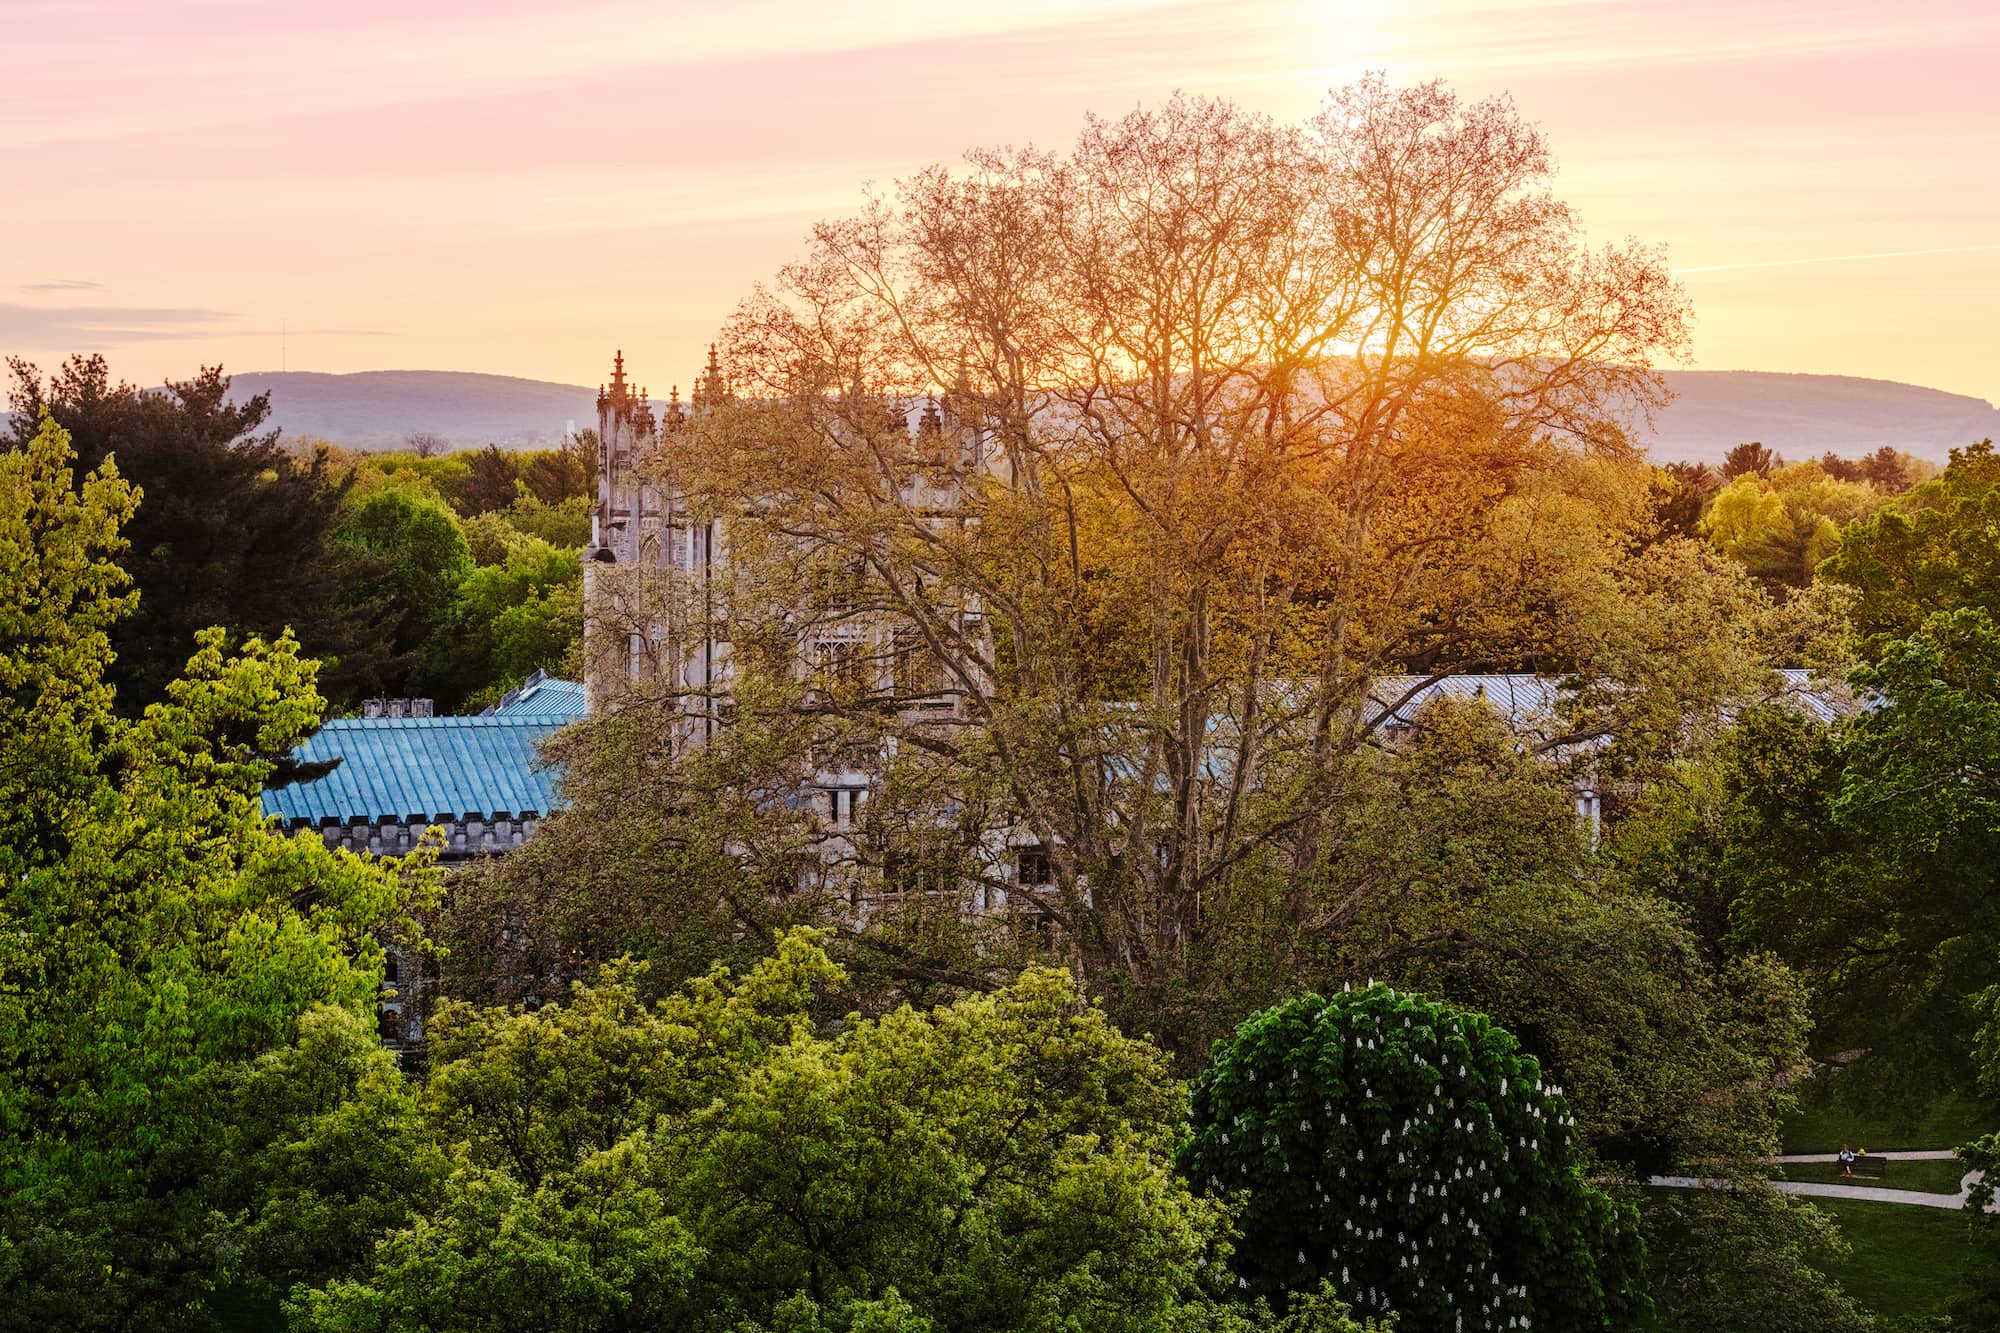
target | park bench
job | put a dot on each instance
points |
(1872, 1165)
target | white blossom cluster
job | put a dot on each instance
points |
(1395, 1147)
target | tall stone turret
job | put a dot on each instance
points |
(649, 579)
(625, 424)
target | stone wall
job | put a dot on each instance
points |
(502, 831)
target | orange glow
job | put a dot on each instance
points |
(515, 185)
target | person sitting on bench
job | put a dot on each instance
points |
(1846, 1160)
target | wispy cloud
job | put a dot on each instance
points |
(1842, 259)
(111, 326)
(62, 285)
(519, 186)
(35, 325)
(283, 331)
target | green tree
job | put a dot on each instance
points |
(566, 472)
(1935, 549)
(1976, 1304)
(596, 1251)
(523, 613)
(233, 530)
(1747, 1259)
(323, 1148)
(1412, 1154)
(418, 546)
(1681, 493)
(564, 523)
(490, 483)
(1888, 470)
(1864, 852)
(445, 474)
(1784, 525)
(156, 934)
(1001, 1162)
(1751, 459)
(556, 1213)
(1469, 876)
(721, 1160)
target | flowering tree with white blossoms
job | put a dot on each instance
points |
(1412, 1155)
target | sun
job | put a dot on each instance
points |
(1341, 40)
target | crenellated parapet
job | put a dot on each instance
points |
(465, 836)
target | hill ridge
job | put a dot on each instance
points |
(1799, 414)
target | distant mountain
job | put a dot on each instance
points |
(1797, 415)
(381, 409)
(1802, 416)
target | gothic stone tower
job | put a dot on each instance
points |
(652, 571)
(625, 425)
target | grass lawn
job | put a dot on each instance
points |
(1826, 1119)
(1925, 1177)
(1905, 1260)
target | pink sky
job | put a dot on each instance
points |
(518, 186)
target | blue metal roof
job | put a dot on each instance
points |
(541, 696)
(448, 768)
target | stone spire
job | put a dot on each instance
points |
(709, 389)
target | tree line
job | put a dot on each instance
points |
(1781, 521)
(451, 575)
(1320, 1003)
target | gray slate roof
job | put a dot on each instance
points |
(1531, 704)
(1522, 699)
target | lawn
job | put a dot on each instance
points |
(1826, 1119)
(1905, 1260)
(1924, 1177)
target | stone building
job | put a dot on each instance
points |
(648, 551)
(399, 769)
(656, 574)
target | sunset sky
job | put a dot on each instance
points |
(518, 186)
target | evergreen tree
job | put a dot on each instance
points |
(231, 529)
(491, 484)
(1753, 458)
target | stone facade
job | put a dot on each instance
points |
(657, 574)
(399, 770)
(465, 837)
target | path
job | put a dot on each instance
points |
(1830, 1190)
(1924, 1155)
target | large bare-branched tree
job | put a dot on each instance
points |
(1140, 469)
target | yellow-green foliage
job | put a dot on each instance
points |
(155, 935)
(720, 1160)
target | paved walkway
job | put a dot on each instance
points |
(1923, 1155)
(1832, 1190)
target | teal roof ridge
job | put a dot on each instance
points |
(451, 768)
